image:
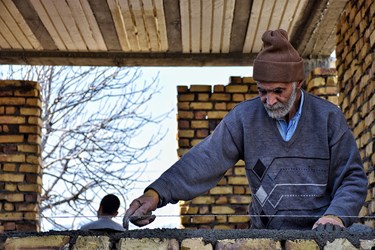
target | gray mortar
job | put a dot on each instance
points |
(213, 235)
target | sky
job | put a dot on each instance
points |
(169, 79)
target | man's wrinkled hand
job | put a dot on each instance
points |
(327, 222)
(140, 210)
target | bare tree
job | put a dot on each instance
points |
(92, 117)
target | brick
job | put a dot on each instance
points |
(183, 105)
(12, 101)
(35, 120)
(201, 105)
(216, 114)
(238, 97)
(34, 159)
(34, 139)
(185, 115)
(202, 133)
(235, 80)
(12, 158)
(199, 124)
(12, 119)
(33, 179)
(40, 242)
(220, 106)
(249, 244)
(11, 216)
(219, 88)
(31, 216)
(92, 242)
(34, 102)
(222, 210)
(301, 245)
(248, 80)
(239, 169)
(29, 129)
(204, 219)
(182, 89)
(240, 199)
(221, 190)
(220, 97)
(236, 89)
(10, 187)
(147, 244)
(12, 197)
(186, 97)
(190, 210)
(195, 243)
(221, 219)
(30, 168)
(11, 138)
(10, 110)
(7, 177)
(200, 88)
(203, 200)
(28, 148)
(30, 93)
(238, 180)
(239, 219)
(30, 111)
(9, 167)
(203, 97)
(8, 207)
(27, 207)
(184, 133)
(30, 188)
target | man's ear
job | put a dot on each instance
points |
(300, 84)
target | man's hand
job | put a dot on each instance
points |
(139, 211)
(329, 219)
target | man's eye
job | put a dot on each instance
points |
(261, 91)
(277, 91)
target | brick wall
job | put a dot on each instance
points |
(356, 67)
(200, 109)
(171, 239)
(20, 155)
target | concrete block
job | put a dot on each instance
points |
(248, 244)
(148, 244)
(195, 244)
(42, 242)
(338, 244)
(92, 243)
(301, 245)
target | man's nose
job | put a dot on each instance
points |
(271, 99)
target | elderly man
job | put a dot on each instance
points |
(301, 159)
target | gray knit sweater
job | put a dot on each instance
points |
(318, 171)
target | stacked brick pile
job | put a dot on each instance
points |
(200, 109)
(20, 155)
(356, 70)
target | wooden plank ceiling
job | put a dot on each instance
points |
(159, 32)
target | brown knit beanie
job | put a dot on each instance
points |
(278, 61)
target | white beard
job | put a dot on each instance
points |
(280, 110)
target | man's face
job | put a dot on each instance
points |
(277, 98)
